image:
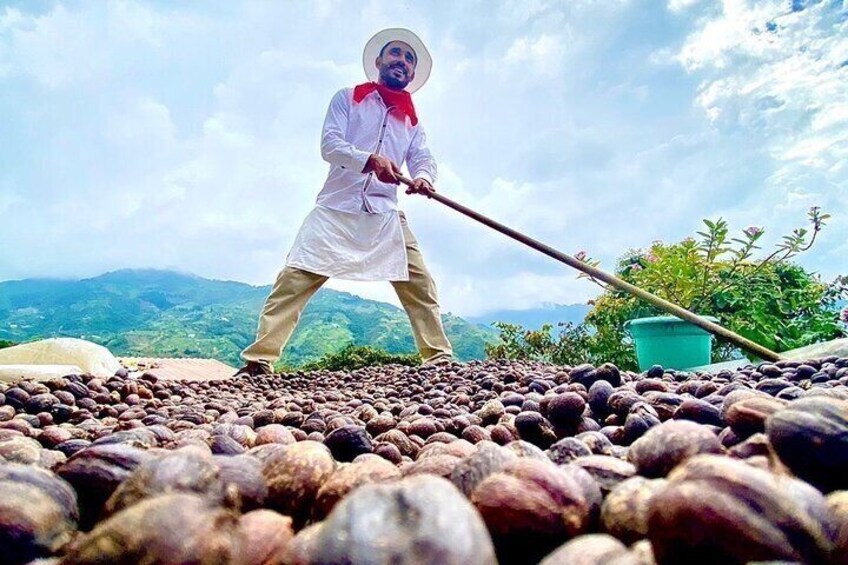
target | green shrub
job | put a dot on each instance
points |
(770, 301)
(569, 348)
(353, 357)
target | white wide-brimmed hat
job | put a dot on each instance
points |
(380, 39)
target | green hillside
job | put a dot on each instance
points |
(169, 314)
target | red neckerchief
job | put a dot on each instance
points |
(400, 101)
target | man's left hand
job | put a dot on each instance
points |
(420, 186)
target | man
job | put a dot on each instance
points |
(355, 231)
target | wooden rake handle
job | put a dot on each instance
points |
(612, 280)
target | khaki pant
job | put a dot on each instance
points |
(294, 287)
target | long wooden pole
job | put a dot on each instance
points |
(612, 280)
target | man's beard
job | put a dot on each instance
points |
(389, 79)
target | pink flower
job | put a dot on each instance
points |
(651, 258)
(753, 231)
(844, 315)
(636, 267)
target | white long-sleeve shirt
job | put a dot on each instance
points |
(352, 132)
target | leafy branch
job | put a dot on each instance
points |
(792, 245)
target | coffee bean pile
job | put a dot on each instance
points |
(487, 462)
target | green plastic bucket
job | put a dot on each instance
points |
(670, 342)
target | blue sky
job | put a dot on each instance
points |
(186, 135)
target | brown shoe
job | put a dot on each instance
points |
(440, 360)
(255, 369)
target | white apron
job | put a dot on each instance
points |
(353, 246)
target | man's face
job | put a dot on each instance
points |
(397, 65)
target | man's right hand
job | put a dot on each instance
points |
(383, 167)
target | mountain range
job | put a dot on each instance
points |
(535, 318)
(169, 314)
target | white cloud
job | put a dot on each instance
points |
(72, 46)
(680, 5)
(521, 12)
(743, 26)
(778, 76)
(144, 120)
(141, 135)
(544, 54)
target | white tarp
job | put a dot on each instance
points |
(77, 354)
(824, 349)
(15, 373)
